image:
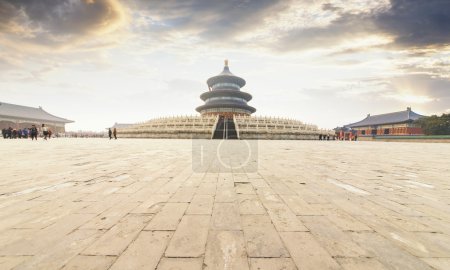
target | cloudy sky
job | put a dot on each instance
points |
(324, 62)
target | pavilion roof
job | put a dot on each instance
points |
(20, 112)
(387, 118)
(226, 76)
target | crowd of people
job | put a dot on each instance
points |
(25, 133)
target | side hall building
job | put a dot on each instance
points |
(19, 117)
(396, 123)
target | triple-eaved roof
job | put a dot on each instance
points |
(19, 112)
(387, 118)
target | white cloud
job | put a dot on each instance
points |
(408, 98)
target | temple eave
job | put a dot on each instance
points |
(229, 93)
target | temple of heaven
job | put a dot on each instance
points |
(225, 97)
(225, 114)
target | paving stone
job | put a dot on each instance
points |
(168, 218)
(262, 240)
(201, 205)
(299, 206)
(107, 202)
(375, 213)
(415, 243)
(132, 188)
(189, 239)
(283, 218)
(250, 205)
(180, 264)
(226, 195)
(272, 264)
(334, 240)
(152, 205)
(145, 252)
(226, 217)
(225, 250)
(56, 256)
(14, 235)
(306, 252)
(9, 262)
(81, 262)
(117, 239)
(34, 243)
(391, 256)
(110, 217)
(207, 188)
(20, 221)
(360, 264)
(244, 188)
(184, 194)
(438, 263)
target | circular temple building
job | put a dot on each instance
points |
(225, 97)
(224, 115)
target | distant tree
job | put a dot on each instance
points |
(435, 125)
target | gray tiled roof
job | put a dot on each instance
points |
(226, 76)
(387, 118)
(19, 112)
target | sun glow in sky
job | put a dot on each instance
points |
(323, 62)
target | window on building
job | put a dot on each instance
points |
(386, 131)
(374, 132)
(363, 132)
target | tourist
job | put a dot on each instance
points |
(115, 134)
(110, 133)
(19, 134)
(50, 133)
(45, 131)
(9, 132)
(33, 132)
(14, 133)
(25, 133)
(4, 133)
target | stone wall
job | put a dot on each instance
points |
(420, 139)
(165, 135)
(276, 136)
(202, 127)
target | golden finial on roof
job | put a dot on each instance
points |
(226, 62)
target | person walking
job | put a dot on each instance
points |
(110, 133)
(4, 133)
(33, 132)
(115, 134)
(45, 131)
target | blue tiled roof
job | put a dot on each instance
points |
(387, 118)
(226, 76)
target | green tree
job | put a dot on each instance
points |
(435, 125)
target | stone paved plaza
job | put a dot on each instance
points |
(138, 204)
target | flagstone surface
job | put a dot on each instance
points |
(141, 204)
